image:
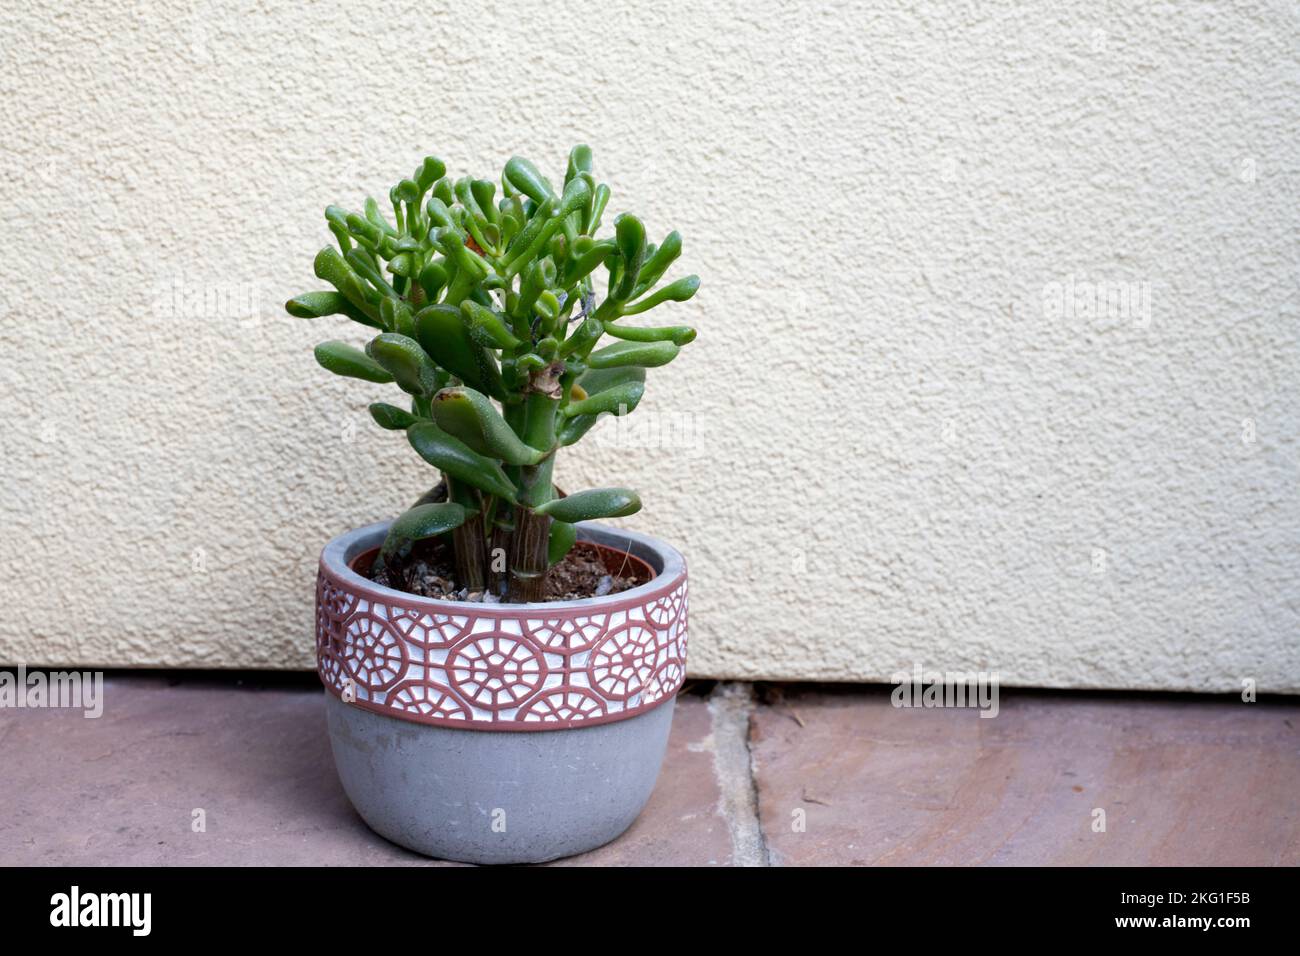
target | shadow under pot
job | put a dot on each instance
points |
(500, 733)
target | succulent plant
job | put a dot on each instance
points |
(483, 311)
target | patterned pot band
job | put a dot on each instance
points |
(498, 667)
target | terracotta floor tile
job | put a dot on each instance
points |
(1182, 781)
(122, 789)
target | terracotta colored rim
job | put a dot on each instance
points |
(528, 667)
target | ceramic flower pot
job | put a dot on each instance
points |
(500, 733)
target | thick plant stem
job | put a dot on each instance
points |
(528, 563)
(468, 541)
(499, 548)
(471, 551)
(528, 557)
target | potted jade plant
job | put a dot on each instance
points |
(500, 671)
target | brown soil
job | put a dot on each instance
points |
(586, 571)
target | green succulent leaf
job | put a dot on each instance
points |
(459, 460)
(532, 246)
(431, 520)
(547, 306)
(574, 428)
(579, 162)
(469, 416)
(599, 200)
(582, 338)
(576, 197)
(677, 334)
(586, 262)
(539, 277)
(599, 379)
(438, 212)
(334, 269)
(412, 369)
(658, 262)
(618, 400)
(402, 265)
(420, 522)
(363, 230)
(563, 537)
(395, 315)
(524, 176)
(483, 192)
(442, 333)
(430, 171)
(376, 216)
(407, 191)
(678, 291)
(432, 278)
(645, 354)
(313, 305)
(629, 233)
(589, 505)
(391, 417)
(486, 327)
(348, 360)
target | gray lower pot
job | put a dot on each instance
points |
(500, 733)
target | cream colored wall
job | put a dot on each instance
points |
(892, 442)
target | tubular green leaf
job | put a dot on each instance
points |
(563, 537)
(432, 278)
(599, 200)
(597, 380)
(645, 354)
(313, 305)
(658, 262)
(589, 505)
(441, 331)
(630, 236)
(420, 522)
(579, 162)
(459, 460)
(486, 327)
(534, 247)
(577, 195)
(376, 216)
(430, 171)
(618, 400)
(409, 365)
(574, 428)
(391, 417)
(439, 214)
(469, 416)
(539, 277)
(678, 291)
(348, 360)
(333, 268)
(677, 334)
(584, 263)
(484, 193)
(534, 224)
(582, 338)
(524, 176)
(363, 265)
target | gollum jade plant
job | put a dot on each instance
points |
(479, 302)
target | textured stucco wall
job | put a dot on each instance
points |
(891, 443)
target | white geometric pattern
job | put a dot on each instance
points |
(441, 662)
